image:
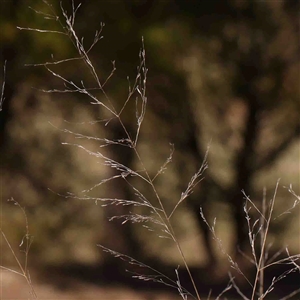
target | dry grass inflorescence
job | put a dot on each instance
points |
(157, 217)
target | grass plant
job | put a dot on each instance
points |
(158, 217)
(24, 246)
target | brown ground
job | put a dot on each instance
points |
(14, 287)
(108, 282)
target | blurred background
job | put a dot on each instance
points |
(221, 73)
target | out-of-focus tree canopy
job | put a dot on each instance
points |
(219, 71)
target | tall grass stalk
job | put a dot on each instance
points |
(161, 217)
(258, 230)
(25, 247)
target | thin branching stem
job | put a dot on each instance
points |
(169, 226)
(262, 234)
(263, 245)
(24, 272)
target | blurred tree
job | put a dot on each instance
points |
(238, 77)
(226, 70)
(255, 45)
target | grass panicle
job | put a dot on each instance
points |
(155, 214)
